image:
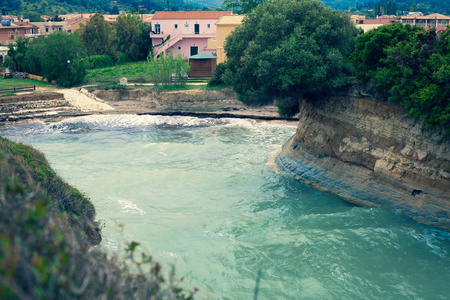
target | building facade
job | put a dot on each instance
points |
(225, 25)
(438, 21)
(184, 32)
(9, 34)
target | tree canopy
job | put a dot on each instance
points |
(133, 36)
(412, 67)
(57, 57)
(98, 36)
(242, 6)
(289, 49)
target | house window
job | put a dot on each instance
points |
(408, 22)
(186, 28)
(208, 26)
(197, 28)
(194, 50)
(46, 29)
(59, 28)
(179, 48)
(444, 23)
(175, 26)
(421, 23)
(157, 28)
(433, 23)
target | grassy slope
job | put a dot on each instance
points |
(9, 83)
(42, 251)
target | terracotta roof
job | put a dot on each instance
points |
(171, 15)
(25, 24)
(428, 17)
(377, 21)
(74, 20)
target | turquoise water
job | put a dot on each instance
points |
(198, 194)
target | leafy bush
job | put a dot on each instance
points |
(43, 254)
(57, 57)
(167, 69)
(99, 61)
(289, 48)
(217, 78)
(412, 67)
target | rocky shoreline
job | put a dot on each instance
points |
(361, 149)
(367, 152)
(80, 102)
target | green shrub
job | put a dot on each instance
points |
(99, 61)
(43, 249)
(217, 78)
(410, 66)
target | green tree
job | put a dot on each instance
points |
(98, 36)
(58, 57)
(17, 54)
(413, 70)
(289, 49)
(242, 6)
(33, 16)
(131, 37)
(370, 47)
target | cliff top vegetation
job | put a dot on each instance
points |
(288, 49)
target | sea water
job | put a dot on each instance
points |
(199, 195)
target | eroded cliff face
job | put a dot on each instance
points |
(367, 152)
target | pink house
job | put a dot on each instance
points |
(189, 31)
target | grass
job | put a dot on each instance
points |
(127, 69)
(9, 83)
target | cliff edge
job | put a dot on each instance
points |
(369, 153)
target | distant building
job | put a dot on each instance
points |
(10, 33)
(438, 21)
(75, 23)
(188, 32)
(46, 28)
(368, 24)
(225, 25)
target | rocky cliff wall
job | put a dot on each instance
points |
(367, 152)
(190, 100)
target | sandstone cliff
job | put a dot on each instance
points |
(367, 152)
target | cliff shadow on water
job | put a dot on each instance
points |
(366, 151)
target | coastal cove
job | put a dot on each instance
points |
(198, 193)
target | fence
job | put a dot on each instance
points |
(17, 90)
(116, 79)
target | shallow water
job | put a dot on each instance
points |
(199, 195)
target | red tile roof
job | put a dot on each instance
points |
(377, 21)
(170, 15)
(74, 20)
(25, 24)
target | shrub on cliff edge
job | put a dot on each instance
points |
(43, 256)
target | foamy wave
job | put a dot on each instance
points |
(114, 122)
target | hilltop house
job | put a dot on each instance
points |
(438, 21)
(184, 32)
